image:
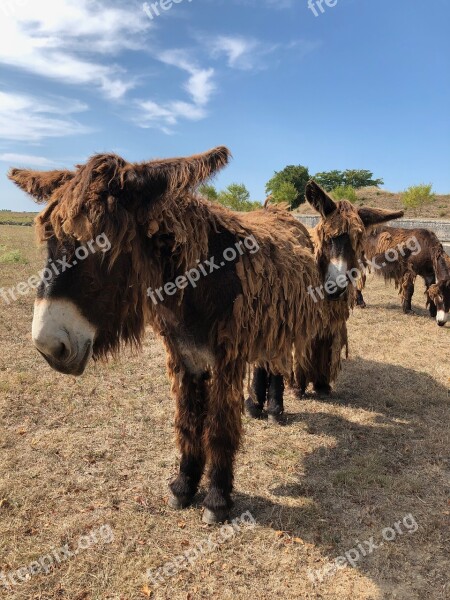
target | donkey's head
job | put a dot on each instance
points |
(339, 237)
(439, 293)
(98, 226)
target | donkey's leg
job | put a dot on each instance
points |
(254, 405)
(430, 280)
(275, 406)
(322, 357)
(299, 378)
(222, 436)
(192, 397)
(407, 292)
(360, 299)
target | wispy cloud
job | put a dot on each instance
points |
(27, 160)
(199, 86)
(240, 52)
(29, 119)
(52, 39)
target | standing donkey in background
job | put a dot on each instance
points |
(252, 307)
(426, 258)
(338, 245)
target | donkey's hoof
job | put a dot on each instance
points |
(323, 391)
(211, 517)
(179, 502)
(276, 419)
(253, 410)
(362, 305)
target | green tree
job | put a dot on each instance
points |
(359, 178)
(355, 178)
(209, 191)
(237, 197)
(285, 192)
(344, 192)
(418, 195)
(297, 175)
(329, 180)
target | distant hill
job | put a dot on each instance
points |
(377, 198)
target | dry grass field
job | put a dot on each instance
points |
(79, 454)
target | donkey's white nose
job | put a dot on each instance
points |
(442, 317)
(54, 345)
(62, 335)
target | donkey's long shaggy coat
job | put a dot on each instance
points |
(337, 243)
(253, 309)
(427, 260)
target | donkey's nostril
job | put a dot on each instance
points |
(62, 353)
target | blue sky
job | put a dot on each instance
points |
(364, 85)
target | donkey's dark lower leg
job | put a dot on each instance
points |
(299, 379)
(321, 357)
(275, 406)
(431, 305)
(192, 398)
(222, 437)
(255, 404)
(360, 299)
(407, 294)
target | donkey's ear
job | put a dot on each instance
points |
(39, 184)
(176, 175)
(442, 267)
(319, 199)
(375, 216)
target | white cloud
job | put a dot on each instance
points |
(29, 119)
(199, 86)
(52, 39)
(26, 160)
(244, 53)
(238, 50)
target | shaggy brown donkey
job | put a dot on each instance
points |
(252, 308)
(415, 252)
(337, 241)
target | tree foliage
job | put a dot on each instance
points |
(344, 192)
(355, 178)
(297, 175)
(237, 197)
(285, 192)
(209, 191)
(418, 195)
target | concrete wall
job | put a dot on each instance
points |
(440, 228)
